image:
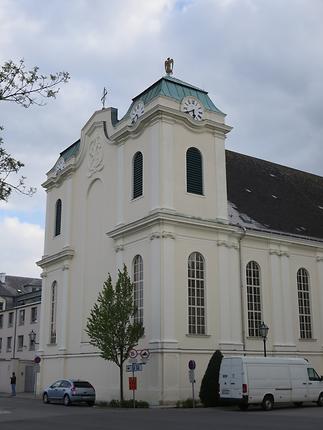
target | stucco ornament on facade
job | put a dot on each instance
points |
(95, 161)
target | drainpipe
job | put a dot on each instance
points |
(243, 331)
(15, 335)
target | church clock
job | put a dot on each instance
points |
(193, 107)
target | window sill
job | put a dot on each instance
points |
(197, 335)
(195, 194)
(52, 344)
(307, 340)
(137, 198)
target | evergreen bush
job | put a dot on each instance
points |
(209, 391)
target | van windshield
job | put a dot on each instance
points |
(312, 375)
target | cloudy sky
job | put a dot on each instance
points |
(261, 62)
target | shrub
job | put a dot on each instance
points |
(209, 391)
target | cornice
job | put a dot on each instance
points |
(67, 253)
(56, 181)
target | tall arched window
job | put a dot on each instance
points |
(138, 281)
(58, 217)
(194, 173)
(196, 294)
(137, 179)
(253, 298)
(304, 306)
(53, 309)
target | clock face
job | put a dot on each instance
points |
(193, 107)
(137, 111)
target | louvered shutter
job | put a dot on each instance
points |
(194, 179)
(137, 175)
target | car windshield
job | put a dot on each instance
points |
(82, 384)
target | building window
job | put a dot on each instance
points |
(58, 217)
(33, 315)
(9, 344)
(137, 175)
(1, 306)
(1, 321)
(138, 282)
(194, 173)
(20, 342)
(253, 298)
(10, 319)
(22, 317)
(196, 294)
(53, 307)
(304, 307)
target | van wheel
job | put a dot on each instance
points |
(298, 404)
(66, 400)
(320, 400)
(243, 406)
(268, 403)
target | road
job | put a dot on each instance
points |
(31, 414)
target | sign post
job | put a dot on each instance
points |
(135, 366)
(191, 376)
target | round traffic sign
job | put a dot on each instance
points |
(144, 354)
(37, 359)
(191, 364)
(133, 353)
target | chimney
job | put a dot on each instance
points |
(2, 277)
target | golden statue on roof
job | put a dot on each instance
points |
(169, 64)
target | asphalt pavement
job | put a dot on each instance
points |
(28, 413)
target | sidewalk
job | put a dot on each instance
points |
(22, 395)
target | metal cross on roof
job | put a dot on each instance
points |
(104, 96)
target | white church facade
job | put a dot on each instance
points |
(216, 242)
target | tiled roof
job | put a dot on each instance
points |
(71, 150)
(274, 197)
(15, 285)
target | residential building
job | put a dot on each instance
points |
(19, 319)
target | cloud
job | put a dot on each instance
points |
(21, 246)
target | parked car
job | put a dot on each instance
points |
(268, 380)
(68, 391)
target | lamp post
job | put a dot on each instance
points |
(263, 330)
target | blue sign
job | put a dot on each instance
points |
(134, 367)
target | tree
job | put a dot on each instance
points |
(111, 325)
(209, 391)
(24, 87)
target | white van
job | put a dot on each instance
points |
(267, 380)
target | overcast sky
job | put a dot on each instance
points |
(261, 62)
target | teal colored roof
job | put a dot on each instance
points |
(71, 150)
(171, 87)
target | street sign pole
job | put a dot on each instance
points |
(133, 391)
(191, 375)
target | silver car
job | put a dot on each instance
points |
(69, 391)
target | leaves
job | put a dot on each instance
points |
(24, 87)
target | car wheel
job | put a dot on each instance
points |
(268, 403)
(298, 404)
(66, 400)
(90, 403)
(320, 400)
(45, 398)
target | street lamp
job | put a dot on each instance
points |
(263, 330)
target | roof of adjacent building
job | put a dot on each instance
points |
(15, 285)
(176, 89)
(265, 195)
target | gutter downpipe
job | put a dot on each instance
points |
(243, 331)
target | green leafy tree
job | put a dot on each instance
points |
(24, 87)
(111, 326)
(209, 391)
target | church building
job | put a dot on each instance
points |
(216, 243)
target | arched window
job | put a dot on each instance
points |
(58, 217)
(138, 281)
(137, 179)
(53, 308)
(304, 306)
(253, 298)
(194, 174)
(196, 294)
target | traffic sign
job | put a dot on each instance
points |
(37, 359)
(191, 376)
(144, 354)
(132, 383)
(134, 367)
(133, 353)
(191, 364)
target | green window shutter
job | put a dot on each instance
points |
(58, 217)
(137, 175)
(194, 176)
